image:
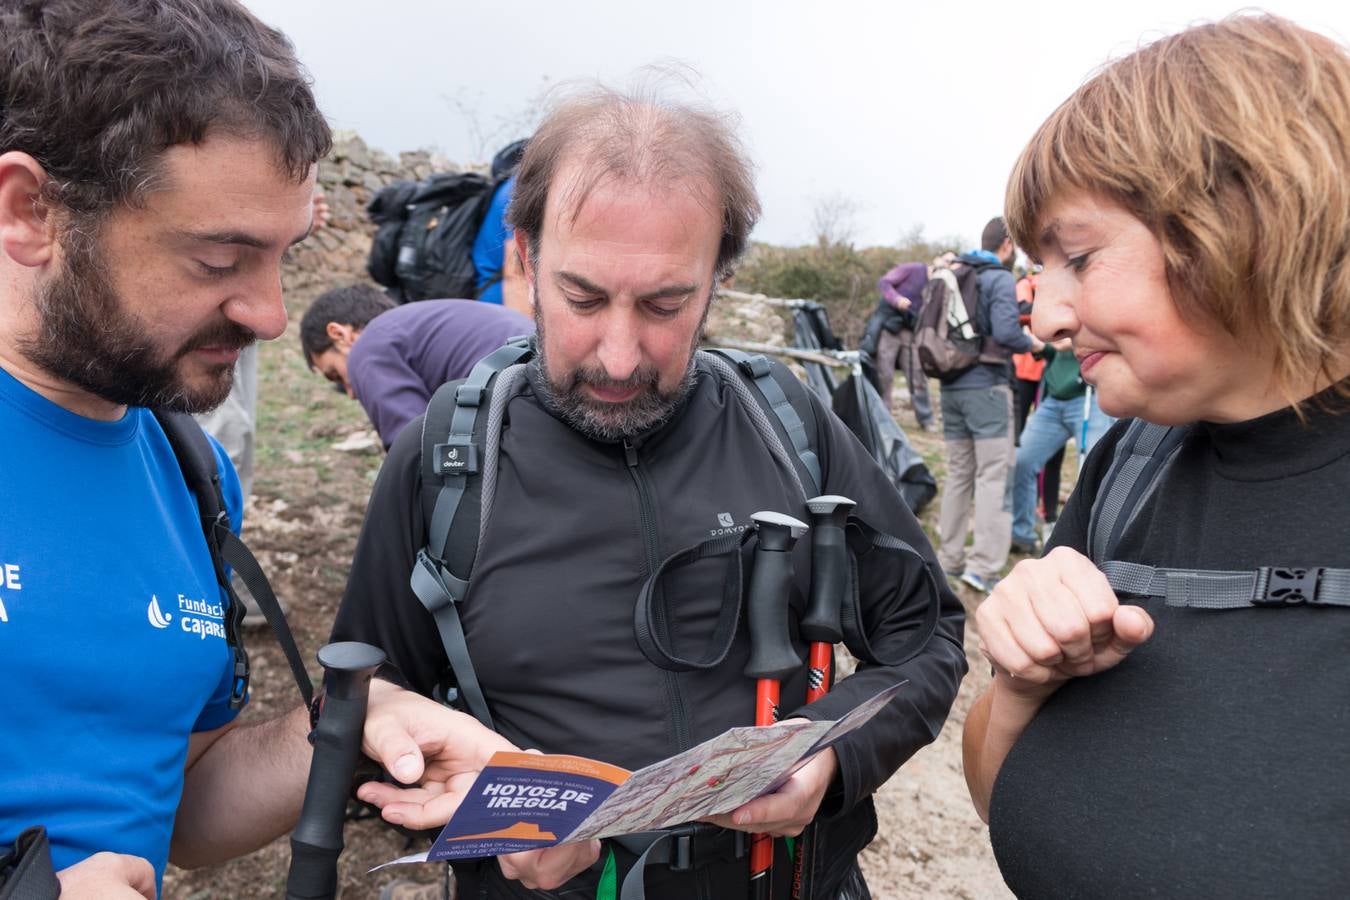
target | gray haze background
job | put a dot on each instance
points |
(842, 103)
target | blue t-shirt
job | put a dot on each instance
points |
(112, 648)
(489, 248)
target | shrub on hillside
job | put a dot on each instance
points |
(835, 273)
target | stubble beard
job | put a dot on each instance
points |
(565, 393)
(86, 337)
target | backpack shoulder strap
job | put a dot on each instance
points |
(197, 461)
(458, 469)
(1140, 458)
(778, 393)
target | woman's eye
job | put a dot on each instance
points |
(1078, 263)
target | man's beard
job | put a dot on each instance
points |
(565, 394)
(86, 337)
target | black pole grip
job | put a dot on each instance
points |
(829, 568)
(316, 842)
(771, 652)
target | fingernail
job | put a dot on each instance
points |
(405, 768)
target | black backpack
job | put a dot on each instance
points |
(423, 247)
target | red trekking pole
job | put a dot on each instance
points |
(772, 657)
(820, 626)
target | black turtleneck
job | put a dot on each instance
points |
(1213, 762)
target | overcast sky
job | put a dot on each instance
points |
(844, 103)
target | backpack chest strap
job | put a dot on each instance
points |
(1216, 589)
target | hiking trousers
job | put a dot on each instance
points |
(977, 432)
(898, 351)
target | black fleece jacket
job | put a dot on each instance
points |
(576, 527)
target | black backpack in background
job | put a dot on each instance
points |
(423, 247)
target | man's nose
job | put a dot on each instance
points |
(259, 307)
(619, 350)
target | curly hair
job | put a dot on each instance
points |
(96, 90)
(1230, 141)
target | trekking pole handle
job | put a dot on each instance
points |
(316, 841)
(771, 652)
(829, 568)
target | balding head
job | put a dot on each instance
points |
(604, 136)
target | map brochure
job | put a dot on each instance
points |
(525, 801)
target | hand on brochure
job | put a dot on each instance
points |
(551, 867)
(791, 808)
(423, 743)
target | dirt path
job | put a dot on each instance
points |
(303, 521)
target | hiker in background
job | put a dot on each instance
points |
(1057, 419)
(132, 274)
(893, 324)
(1027, 367)
(392, 358)
(624, 445)
(977, 422)
(1170, 679)
(501, 279)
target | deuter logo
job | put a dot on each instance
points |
(728, 526)
(157, 616)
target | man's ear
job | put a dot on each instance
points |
(26, 232)
(523, 250)
(342, 335)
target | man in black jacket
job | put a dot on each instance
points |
(622, 447)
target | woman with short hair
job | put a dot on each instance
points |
(1191, 207)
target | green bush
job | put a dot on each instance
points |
(834, 273)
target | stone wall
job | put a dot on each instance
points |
(349, 177)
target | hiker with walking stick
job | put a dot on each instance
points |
(157, 159)
(557, 545)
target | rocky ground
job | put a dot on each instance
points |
(317, 461)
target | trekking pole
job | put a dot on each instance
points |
(316, 841)
(820, 626)
(772, 657)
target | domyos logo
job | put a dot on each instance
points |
(726, 525)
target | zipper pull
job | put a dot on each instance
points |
(630, 454)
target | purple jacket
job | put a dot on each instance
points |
(403, 355)
(905, 280)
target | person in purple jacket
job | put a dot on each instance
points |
(901, 290)
(392, 358)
